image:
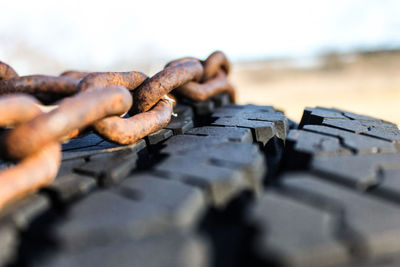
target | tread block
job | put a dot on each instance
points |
(380, 130)
(171, 250)
(203, 138)
(150, 205)
(109, 168)
(67, 166)
(360, 144)
(81, 143)
(377, 174)
(263, 130)
(180, 125)
(242, 157)
(222, 170)
(292, 124)
(221, 100)
(264, 121)
(206, 107)
(159, 136)
(233, 134)
(316, 143)
(318, 114)
(8, 243)
(22, 212)
(69, 187)
(183, 111)
(184, 144)
(201, 108)
(182, 121)
(220, 184)
(309, 240)
(375, 222)
(358, 124)
(103, 148)
(182, 203)
(104, 217)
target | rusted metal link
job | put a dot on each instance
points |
(18, 108)
(32, 173)
(35, 170)
(124, 130)
(216, 61)
(7, 72)
(130, 80)
(181, 60)
(173, 76)
(46, 88)
(130, 130)
(74, 74)
(202, 91)
(97, 99)
(214, 79)
(72, 113)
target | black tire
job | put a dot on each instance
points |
(221, 185)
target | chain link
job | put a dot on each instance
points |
(98, 99)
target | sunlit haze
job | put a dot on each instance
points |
(53, 35)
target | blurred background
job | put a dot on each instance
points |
(290, 54)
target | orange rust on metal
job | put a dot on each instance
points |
(116, 129)
(32, 173)
(214, 79)
(130, 130)
(7, 72)
(99, 99)
(180, 60)
(153, 89)
(72, 113)
(35, 84)
(18, 108)
(202, 91)
(74, 74)
(216, 61)
(130, 80)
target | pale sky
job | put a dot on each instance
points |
(83, 34)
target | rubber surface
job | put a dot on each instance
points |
(221, 185)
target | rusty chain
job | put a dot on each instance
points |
(33, 132)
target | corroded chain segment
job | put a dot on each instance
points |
(18, 108)
(215, 62)
(173, 76)
(130, 80)
(72, 113)
(126, 130)
(34, 84)
(74, 74)
(34, 171)
(130, 130)
(202, 91)
(6, 72)
(97, 99)
(214, 79)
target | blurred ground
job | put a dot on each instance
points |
(367, 83)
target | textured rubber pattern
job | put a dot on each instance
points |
(221, 185)
(336, 200)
